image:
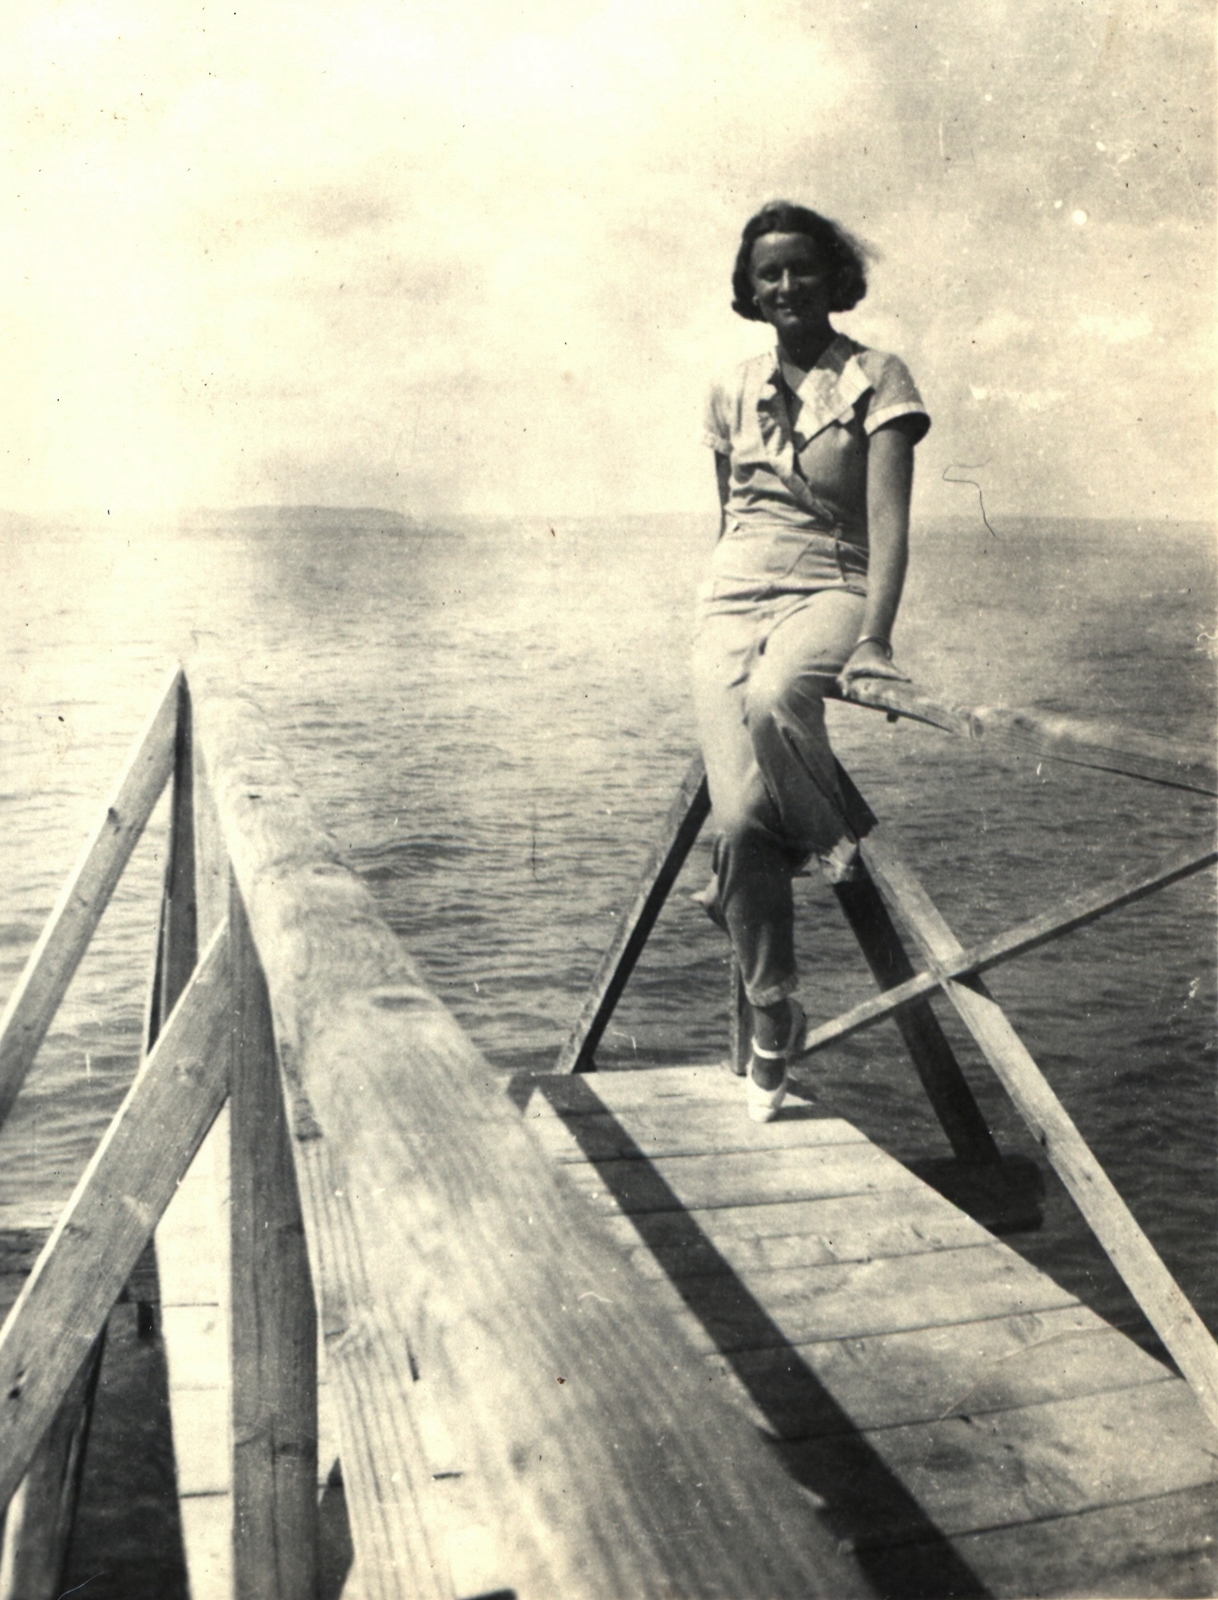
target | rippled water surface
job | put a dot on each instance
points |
(492, 717)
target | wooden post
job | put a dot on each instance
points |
(178, 944)
(933, 1058)
(274, 1322)
(212, 872)
(681, 827)
(40, 1517)
(85, 896)
(1130, 1251)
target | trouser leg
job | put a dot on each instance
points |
(784, 711)
(758, 688)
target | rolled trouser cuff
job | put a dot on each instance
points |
(774, 994)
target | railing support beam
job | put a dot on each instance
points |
(1130, 1251)
(681, 827)
(85, 895)
(934, 1060)
(274, 1322)
(119, 1200)
(41, 1514)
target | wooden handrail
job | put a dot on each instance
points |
(1099, 745)
(456, 1287)
(625, 1477)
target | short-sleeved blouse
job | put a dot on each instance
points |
(798, 443)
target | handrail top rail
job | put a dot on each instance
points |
(1102, 746)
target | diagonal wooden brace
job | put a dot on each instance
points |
(85, 896)
(1130, 1251)
(1075, 912)
(131, 1178)
(681, 827)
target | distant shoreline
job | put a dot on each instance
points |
(348, 520)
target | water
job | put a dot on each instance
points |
(491, 717)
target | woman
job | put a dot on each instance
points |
(813, 449)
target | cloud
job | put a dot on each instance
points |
(477, 256)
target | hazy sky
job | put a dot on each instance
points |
(475, 255)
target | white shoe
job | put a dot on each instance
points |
(764, 1104)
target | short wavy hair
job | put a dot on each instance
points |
(845, 257)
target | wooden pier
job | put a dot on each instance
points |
(431, 1334)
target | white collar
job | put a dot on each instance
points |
(828, 390)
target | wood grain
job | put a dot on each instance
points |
(620, 1479)
(1105, 747)
(1073, 1455)
(40, 1517)
(273, 1321)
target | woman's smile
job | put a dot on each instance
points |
(790, 287)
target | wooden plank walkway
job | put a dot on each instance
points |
(962, 1423)
(966, 1424)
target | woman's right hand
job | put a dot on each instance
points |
(870, 659)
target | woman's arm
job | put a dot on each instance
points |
(889, 484)
(723, 477)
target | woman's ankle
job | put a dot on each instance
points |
(773, 1025)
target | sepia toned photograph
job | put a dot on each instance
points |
(607, 777)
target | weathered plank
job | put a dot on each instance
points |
(1024, 1358)
(616, 1480)
(681, 827)
(665, 1131)
(40, 1516)
(739, 1178)
(752, 1309)
(1104, 747)
(85, 895)
(1076, 911)
(798, 1233)
(1131, 1252)
(193, 1250)
(1073, 1455)
(680, 1088)
(400, 1547)
(1004, 1387)
(124, 1189)
(1162, 1545)
(274, 1324)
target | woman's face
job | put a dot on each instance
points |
(790, 284)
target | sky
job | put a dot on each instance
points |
(474, 256)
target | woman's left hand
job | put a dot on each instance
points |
(869, 660)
